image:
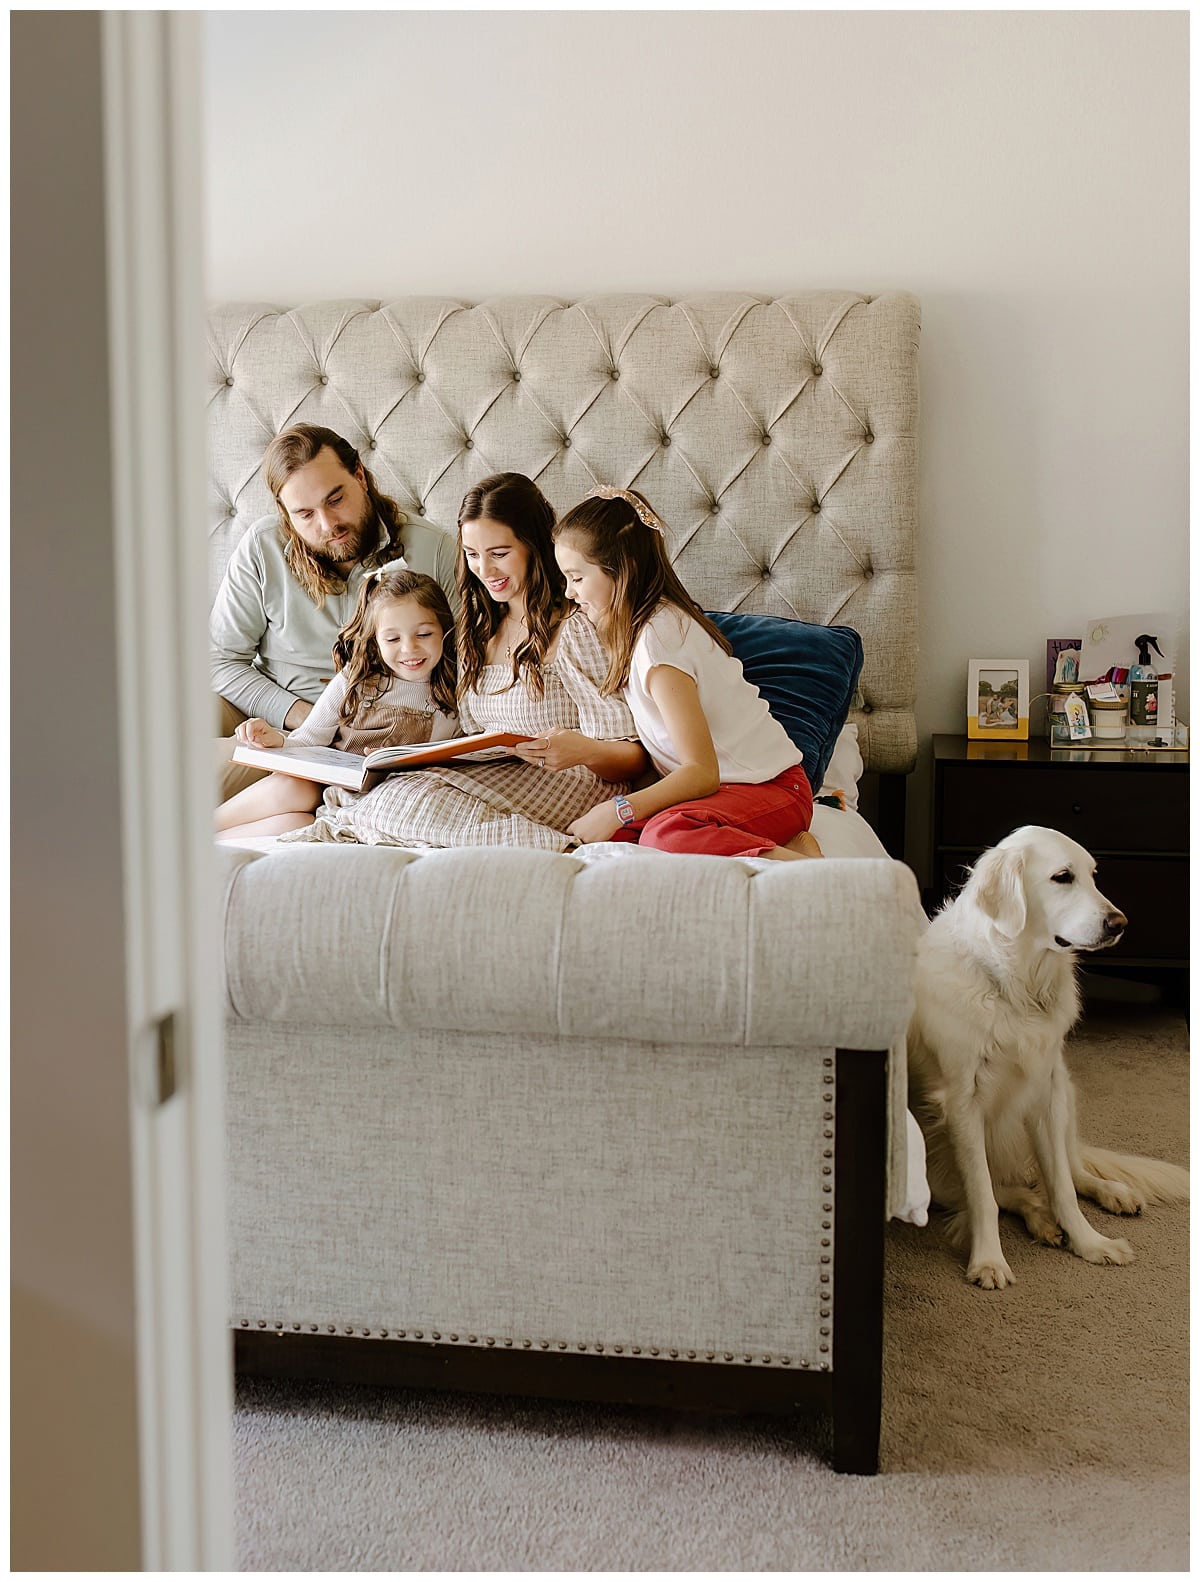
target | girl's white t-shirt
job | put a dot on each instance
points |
(752, 746)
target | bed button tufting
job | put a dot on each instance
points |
(420, 510)
(229, 380)
(324, 379)
(818, 370)
(468, 444)
(516, 376)
(869, 437)
(766, 439)
(816, 508)
(566, 442)
(714, 506)
(614, 373)
(666, 440)
(714, 372)
(420, 378)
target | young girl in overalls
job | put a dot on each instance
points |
(732, 782)
(394, 685)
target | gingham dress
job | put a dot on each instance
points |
(502, 804)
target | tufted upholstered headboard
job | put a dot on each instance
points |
(776, 437)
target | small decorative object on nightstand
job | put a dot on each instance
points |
(998, 699)
(1129, 808)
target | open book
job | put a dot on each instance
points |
(332, 767)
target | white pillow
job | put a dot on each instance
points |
(845, 768)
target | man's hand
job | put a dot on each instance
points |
(257, 733)
(296, 715)
(600, 823)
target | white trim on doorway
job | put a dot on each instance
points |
(155, 248)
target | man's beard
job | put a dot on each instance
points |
(339, 558)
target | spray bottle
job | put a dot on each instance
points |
(1143, 691)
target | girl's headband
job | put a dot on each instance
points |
(648, 517)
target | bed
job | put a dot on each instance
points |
(456, 1156)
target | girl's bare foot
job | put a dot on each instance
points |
(804, 845)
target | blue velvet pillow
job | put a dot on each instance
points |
(807, 674)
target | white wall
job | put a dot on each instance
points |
(1025, 173)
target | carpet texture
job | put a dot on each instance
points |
(1041, 1428)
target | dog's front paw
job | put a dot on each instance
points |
(990, 1274)
(1118, 1198)
(1105, 1249)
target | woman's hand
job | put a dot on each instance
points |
(556, 749)
(257, 733)
(599, 823)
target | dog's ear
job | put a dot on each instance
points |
(997, 887)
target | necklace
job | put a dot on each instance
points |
(521, 627)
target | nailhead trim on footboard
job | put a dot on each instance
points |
(598, 1347)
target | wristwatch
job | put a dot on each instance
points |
(624, 809)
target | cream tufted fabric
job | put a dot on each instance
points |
(777, 438)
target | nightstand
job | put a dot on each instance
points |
(1130, 809)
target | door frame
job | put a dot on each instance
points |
(153, 187)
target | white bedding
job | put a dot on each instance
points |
(842, 833)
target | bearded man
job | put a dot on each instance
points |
(293, 581)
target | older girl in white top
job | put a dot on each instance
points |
(732, 782)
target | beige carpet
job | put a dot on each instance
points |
(1043, 1428)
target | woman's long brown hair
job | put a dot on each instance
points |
(612, 536)
(357, 652)
(517, 503)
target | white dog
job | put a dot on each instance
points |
(995, 997)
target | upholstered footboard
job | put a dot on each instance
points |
(511, 1121)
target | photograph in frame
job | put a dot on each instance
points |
(998, 700)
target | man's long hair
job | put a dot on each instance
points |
(517, 503)
(286, 454)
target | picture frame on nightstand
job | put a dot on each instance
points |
(998, 700)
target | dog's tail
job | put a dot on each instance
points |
(1155, 1179)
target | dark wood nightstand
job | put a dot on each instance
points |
(1130, 809)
